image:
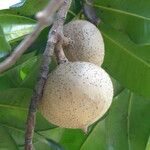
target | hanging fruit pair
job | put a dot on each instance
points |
(78, 92)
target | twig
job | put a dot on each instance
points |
(59, 52)
(90, 12)
(44, 18)
(61, 58)
(54, 37)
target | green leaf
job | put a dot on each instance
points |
(127, 62)
(126, 16)
(127, 124)
(15, 26)
(4, 46)
(6, 141)
(14, 105)
(13, 77)
(138, 122)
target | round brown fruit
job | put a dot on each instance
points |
(76, 95)
(86, 42)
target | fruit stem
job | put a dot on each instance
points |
(61, 58)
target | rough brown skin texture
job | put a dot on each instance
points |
(76, 95)
(86, 42)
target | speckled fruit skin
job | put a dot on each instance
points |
(76, 95)
(86, 42)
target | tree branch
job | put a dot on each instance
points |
(44, 18)
(54, 37)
